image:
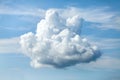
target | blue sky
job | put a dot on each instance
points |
(101, 27)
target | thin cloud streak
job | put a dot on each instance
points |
(105, 62)
(10, 45)
(6, 10)
(21, 28)
(104, 18)
(106, 43)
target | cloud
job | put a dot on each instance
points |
(110, 43)
(21, 28)
(105, 43)
(95, 15)
(105, 62)
(57, 41)
(21, 10)
(10, 45)
(112, 23)
(101, 18)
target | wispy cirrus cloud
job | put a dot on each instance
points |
(21, 10)
(9, 45)
(105, 43)
(112, 23)
(104, 18)
(105, 62)
(20, 28)
(110, 43)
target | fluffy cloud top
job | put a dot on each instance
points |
(57, 41)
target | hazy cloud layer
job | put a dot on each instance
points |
(21, 10)
(105, 62)
(101, 18)
(5, 45)
(105, 43)
(57, 41)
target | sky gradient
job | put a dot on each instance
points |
(101, 27)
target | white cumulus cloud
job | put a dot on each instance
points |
(57, 41)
